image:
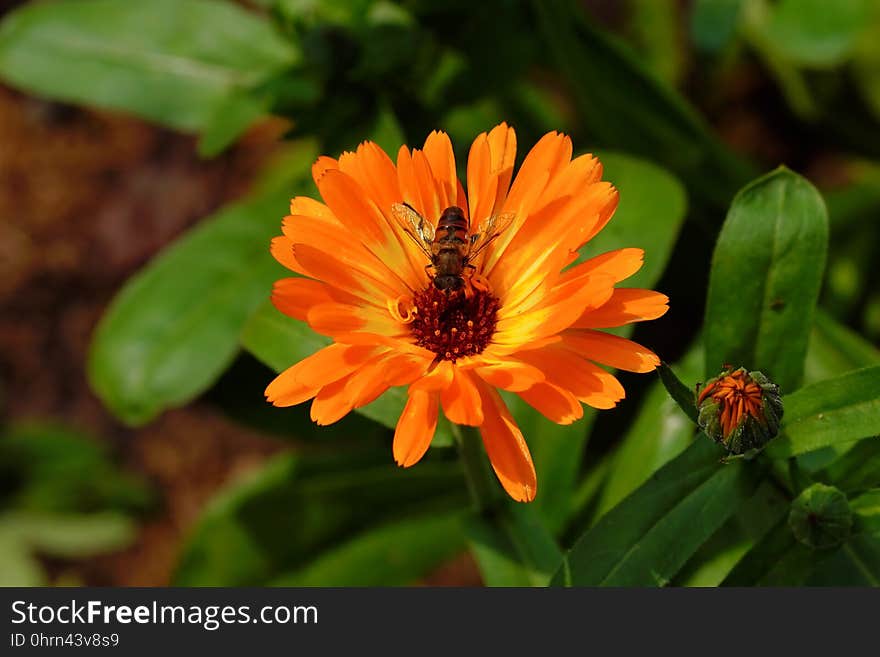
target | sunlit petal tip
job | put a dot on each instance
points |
(322, 165)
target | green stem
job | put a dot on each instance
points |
(481, 482)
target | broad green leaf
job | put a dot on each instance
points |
(391, 555)
(171, 61)
(857, 469)
(174, 327)
(69, 536)
(836, 349)
(765, 279)
(232, 117)
(720, 554)
(280, 341)
(866, 508)
(623, 106)
(514, 548)
(648, 537)
(297, 509)
(855, 563)
(807, 33)
(649, 216)
(835, 411)
(659, 433)
(776, 560)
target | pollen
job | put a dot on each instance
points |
(738, 396)
(454, 325)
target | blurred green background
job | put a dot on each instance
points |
(147, 150)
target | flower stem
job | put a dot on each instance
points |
(481, 482)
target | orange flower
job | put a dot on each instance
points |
(524, 321)
(737, 396)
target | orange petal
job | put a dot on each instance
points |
(550, 155)
(416, 426)
(294, 296)
(332, 402)
(321, 166)
(553, 402)
(502, 153)
(481, 179)
(437, 379)
(511, 375)
(303, 205)
(312, 373)
(557, 311)
(611, 350)
(619, 264)
(572, 179)
(506, 447)
(625, 306)
(566, 369)
(347, 274)
(417, 184)
(282, 250)
(374, 171)
(438, 151)
(461, 400)
(334, 318)
(350, 204)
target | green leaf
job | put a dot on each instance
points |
(174, 327)
(515, 548)
(70, 536)
(391, 555)
(866, 508)
(297, 510)
(280, 341)
(835, 349)
(719, 555)
(855, 563)
(678, 391)
(856, 469)
(624, 106)
(777, 559)
(171, 61)
(836, 411)
(232, 117)
(648, 537)
(807, 33)
(765, 279)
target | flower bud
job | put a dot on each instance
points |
(820, 517)
(739, 409)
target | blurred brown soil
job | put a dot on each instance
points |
(86, 198)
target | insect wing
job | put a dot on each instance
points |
(488, 230)
(414, 225)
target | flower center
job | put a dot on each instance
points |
(737, 396)
(456, 324)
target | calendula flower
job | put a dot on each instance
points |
(739, 409)
(489, 299)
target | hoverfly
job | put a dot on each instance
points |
(450, 248)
